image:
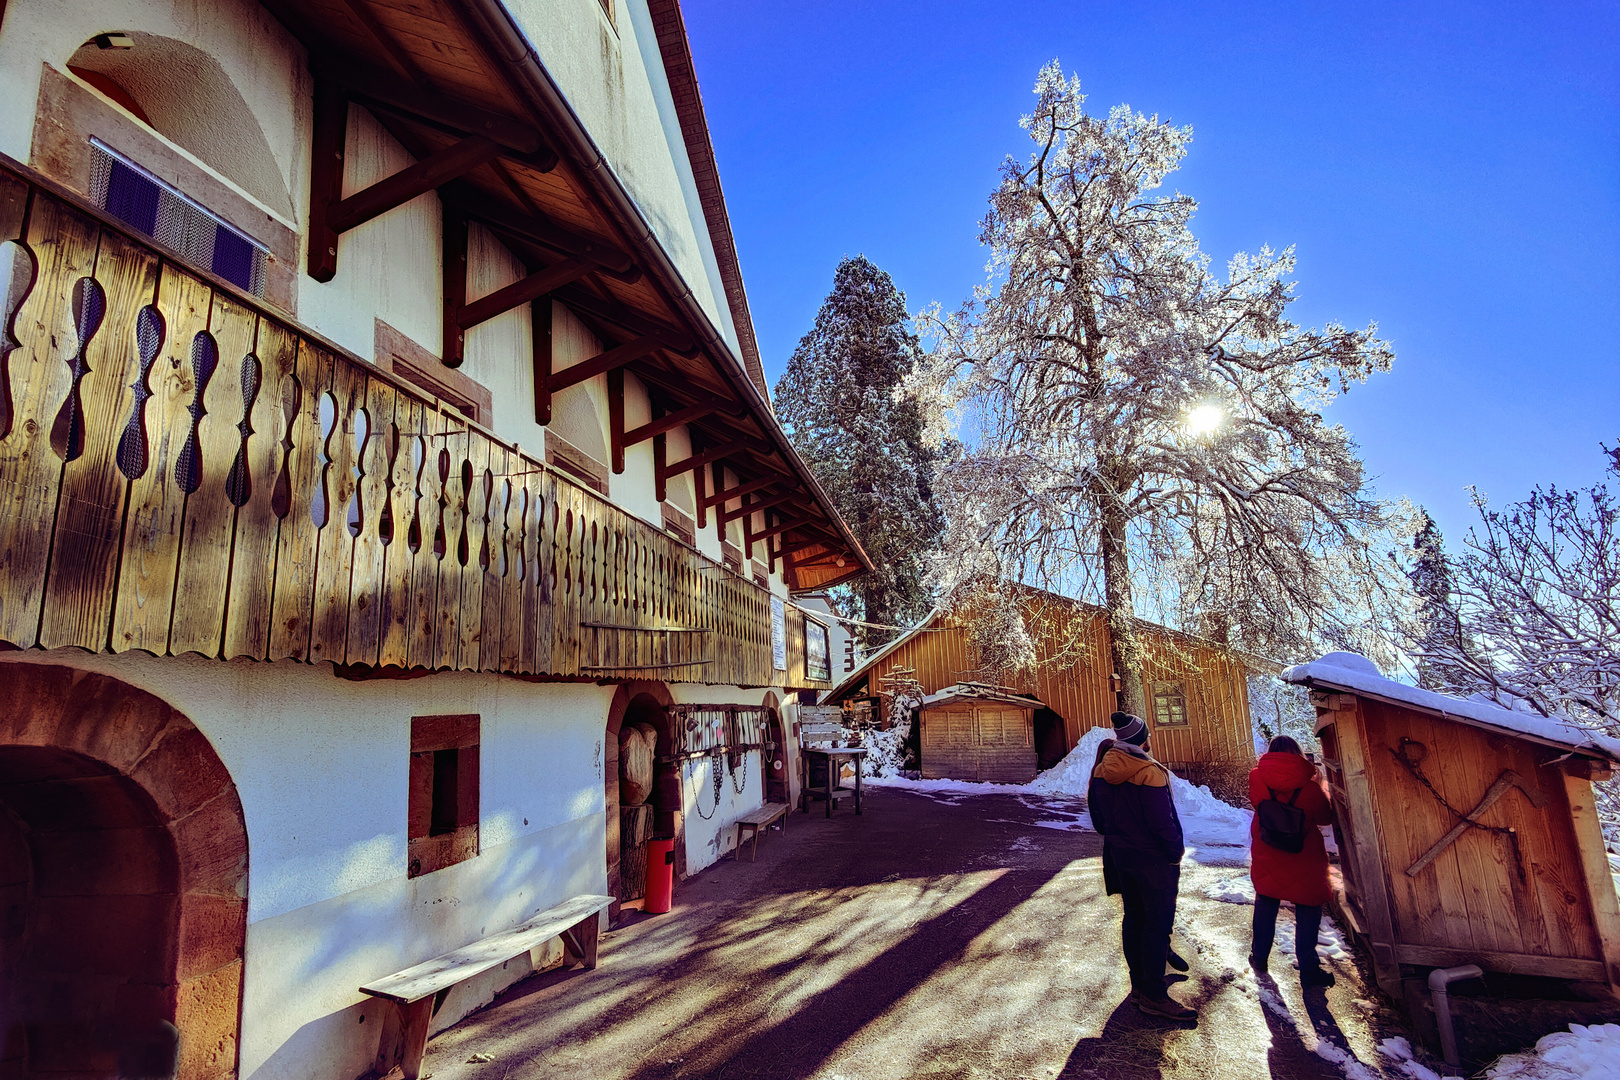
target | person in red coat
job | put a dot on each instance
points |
(1286, 774)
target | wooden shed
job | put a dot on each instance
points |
(1196, 689)
(971, 731)
(1524, 888)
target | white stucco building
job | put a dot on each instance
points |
(382, 434)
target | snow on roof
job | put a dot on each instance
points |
(981, 692)
(1354, 672)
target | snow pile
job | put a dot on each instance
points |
(1581, 1053)
(1072, 775)
(1399, 1054)
(1217, 834)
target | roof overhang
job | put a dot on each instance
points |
(460, 86)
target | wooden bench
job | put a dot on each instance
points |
(417, 989)
(757, 820)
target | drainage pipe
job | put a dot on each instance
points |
(1440, 979)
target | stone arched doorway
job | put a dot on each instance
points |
(123, 883)
(639, 702)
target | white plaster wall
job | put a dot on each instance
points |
(709, 838)
(606, 69)
(387, 268)
(258, 55)
(322, 768)
(635, 489)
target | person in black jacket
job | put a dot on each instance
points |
(1130, 804)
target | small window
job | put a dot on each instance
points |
(443, 808)
(153, 208)
(679, 526)
(1169, 704)
(732, 556)
(817, 651)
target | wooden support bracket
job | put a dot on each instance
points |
(541, 322)
(538, 284)
(779, 528)
(326, 176)
(455, 285)
(698, 460)
(600, 364)
(720, 498)
(426, 175)
(615, 388)
(671, 421)
(538, 229)
(761, 504)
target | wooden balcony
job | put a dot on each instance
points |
(182, 471)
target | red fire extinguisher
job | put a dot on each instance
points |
(660, 875)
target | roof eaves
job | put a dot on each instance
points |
(676, 50)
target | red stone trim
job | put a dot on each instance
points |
(194, 798)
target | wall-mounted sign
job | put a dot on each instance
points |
(817, 651)
(778, 633)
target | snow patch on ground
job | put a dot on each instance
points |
(1398, 1052)
(1217, 834)
(1231, 890)
(1584, 1052)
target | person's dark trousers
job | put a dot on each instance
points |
(1307, 925)
(1150, 913)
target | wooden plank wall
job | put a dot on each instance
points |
(1077, 686)
(967, 741)
(182, 472)
(1471, 898)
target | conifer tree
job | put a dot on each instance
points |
(1436, 627)
(841, 402)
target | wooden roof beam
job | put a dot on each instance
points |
(537, 229)
(380, 90)
(673, 420)
(777, 529)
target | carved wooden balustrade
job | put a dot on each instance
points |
(180, 471)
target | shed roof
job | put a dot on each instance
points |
(1352, 672)
(981, 692)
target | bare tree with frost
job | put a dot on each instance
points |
(1140, 430)
(1534, 613)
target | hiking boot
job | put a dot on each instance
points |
(1315, 976)
(1176, 961)
(1167, 1007)
(1258, 963)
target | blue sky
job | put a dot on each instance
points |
(1451, 171)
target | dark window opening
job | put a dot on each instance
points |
(154, 209)
(1169, 704)
(446, 766)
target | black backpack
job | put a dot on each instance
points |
(1282, 824)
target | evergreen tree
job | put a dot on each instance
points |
(842, 403)
(1436, 628)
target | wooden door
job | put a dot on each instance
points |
(774, 756)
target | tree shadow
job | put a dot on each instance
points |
(1129, 1047)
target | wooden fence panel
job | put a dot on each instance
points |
(63, 245)
(203, 576)
(153, 523)
(258, 461)
(334, 561)
(475, 524)
(90, 516)
(368, 578)
(427, 566)
(302, 469)
(409, 546)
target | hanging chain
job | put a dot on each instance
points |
(1416, 769)
(740, 788)
(691, 778)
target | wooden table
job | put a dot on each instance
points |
(834, 757)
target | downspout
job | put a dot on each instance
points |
(1440, 979)
(506, 42)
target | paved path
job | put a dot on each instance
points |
(930, 937)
